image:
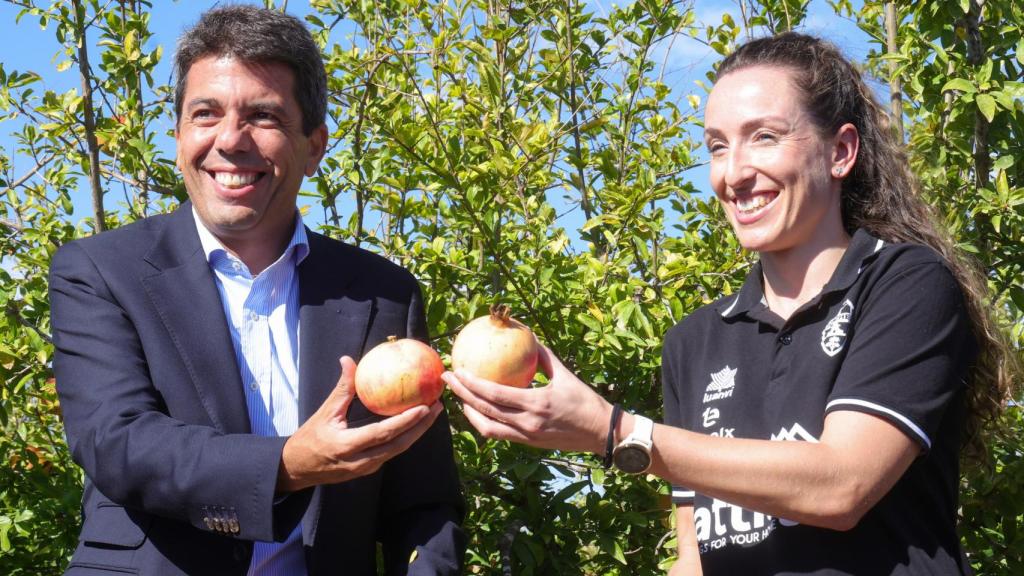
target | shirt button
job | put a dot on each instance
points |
(254, 316)
(236, 266)
(786, 339)
(254, 386)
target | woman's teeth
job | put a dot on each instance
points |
(234, 179)
(752, 203)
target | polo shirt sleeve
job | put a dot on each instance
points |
(672, 390)
(910, 351)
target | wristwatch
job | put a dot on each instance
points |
(633, 454)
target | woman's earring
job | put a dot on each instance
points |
(839, 171)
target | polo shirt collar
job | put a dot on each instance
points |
(862, 249)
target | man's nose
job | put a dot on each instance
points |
(234, 135)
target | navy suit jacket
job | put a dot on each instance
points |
(155, 414)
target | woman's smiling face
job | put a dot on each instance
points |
(771, 168)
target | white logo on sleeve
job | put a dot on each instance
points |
(833, 337)
(794, 433)
(722, 384)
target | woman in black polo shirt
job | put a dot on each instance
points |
(813, 420)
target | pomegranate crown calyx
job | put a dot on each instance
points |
(392, 338)
(501, 312)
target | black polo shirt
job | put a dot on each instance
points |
(889, 336)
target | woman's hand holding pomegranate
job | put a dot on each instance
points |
(324, 450)
(566, 414)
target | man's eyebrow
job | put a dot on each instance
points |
(268, 106)
(202, 103)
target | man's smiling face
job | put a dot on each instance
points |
(241, 149)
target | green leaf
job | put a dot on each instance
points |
(1017, 296)
(1002, 186)
(523, 470)
(959, 84)
(987, 105)
(569, 491)
(1003, 162)
(985, 74)
(611, 546)
(589, 321)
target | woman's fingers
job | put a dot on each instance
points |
(491, 428)
(491, 392)
(482, 396)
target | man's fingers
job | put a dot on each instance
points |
(406, 438)
(389, 429)
(376, 443)
(345, 390)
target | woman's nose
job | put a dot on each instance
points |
(738, 170)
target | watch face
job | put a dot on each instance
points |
(632, 459)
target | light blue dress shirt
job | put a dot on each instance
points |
(263, 317)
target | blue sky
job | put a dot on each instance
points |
(26, 47)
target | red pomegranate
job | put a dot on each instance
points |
(397, 375)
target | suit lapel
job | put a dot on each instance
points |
(332, 322)
(185, 295)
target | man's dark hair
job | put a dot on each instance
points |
(253, 34)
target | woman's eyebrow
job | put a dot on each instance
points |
(752, 123)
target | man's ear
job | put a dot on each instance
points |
(845, 145)
(317, 149)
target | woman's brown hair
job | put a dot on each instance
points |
(881, 195)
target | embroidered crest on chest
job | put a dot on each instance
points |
(833, 337)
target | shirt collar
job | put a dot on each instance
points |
(298, 245)
(862, 249)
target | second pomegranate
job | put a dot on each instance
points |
(497, 347)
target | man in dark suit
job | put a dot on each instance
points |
(197, 353)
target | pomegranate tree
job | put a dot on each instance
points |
(397, 375)
(497, 347)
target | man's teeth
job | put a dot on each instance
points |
(753, 202)
(234, 179)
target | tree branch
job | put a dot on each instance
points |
(895, 86)
(90, 121)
